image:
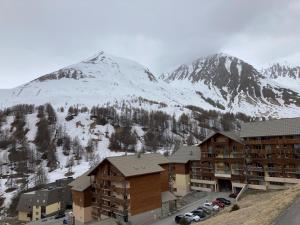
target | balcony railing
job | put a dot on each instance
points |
(220, 171)
(115, 199)
(114, 209)
(255, 168)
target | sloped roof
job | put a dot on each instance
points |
(41, 197)
(277, 127)
(82, 182)
(185, 154)
(134, 165)
(230, 134)
(25, 202)
(167, 196)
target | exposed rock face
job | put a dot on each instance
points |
(278, 70)
(236, 80)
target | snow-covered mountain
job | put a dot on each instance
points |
(97, 80)
(232, 84)
(220, 82)
(286, 75)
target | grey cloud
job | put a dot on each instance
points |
(37, 37)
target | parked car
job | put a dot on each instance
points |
(206, 210)
(194, 218)
(233, 195)
(224, 201)
(60, 215)
(178, 218)
(218, 203)
(211, 206)
(199, 213)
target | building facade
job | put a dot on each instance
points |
(264, 155)
(45, 202)
(82, 191)
(132, 189)
(182, 164)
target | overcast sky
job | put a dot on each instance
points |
(38, 37)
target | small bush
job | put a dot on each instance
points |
(234, 208)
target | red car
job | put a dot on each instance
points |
(218, 203)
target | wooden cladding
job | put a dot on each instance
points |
(164, 178)
(82, 199)
(145, 193)
(180, 168)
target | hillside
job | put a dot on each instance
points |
(39, 144)
(260, 208)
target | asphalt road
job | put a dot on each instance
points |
(291, 216)
(210, 197)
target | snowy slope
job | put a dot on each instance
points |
(231, 84)
(95, 81)
(219, 82)
(284, 74)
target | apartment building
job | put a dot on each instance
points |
(272, 153)
(82, 191)
(133, 189)
(45, 202)
(38, 204)
(220, 152)
(264, 155)
(182, 166)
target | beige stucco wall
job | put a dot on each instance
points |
(22, 216)
(36, 212)
(182, 184)
(53, 208)
(83, 215)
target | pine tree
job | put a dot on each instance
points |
(52, 118)
(40, 177)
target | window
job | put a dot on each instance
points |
(297, 150)
(234, 148)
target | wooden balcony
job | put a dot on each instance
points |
(119, 201)
(114, 209)
(119, 190)
(273, 141)
(255, 168)
(255, 177)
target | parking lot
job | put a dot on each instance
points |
(209, 197)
